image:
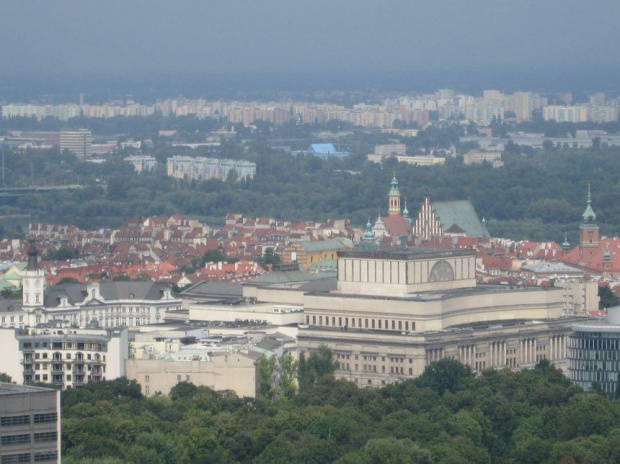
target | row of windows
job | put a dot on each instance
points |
(373, 358)
(14, 420)
(45, 418)
(595, 355)
(13, 458)
(15, 439)
(8, 440)
(66, 346)
(383, 324)
(578, 342)
(45, 436)
(46, 456)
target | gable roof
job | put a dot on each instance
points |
(460, 213)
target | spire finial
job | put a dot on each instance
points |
(589, 195)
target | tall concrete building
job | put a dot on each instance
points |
(523, 105)
(594, 353)
(78, 142)
(29, 424)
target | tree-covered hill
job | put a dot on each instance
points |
(537, 196)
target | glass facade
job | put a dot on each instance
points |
(594, 358)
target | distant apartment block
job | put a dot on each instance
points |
(602, 114)
(479, 157)
(142, 163)
(523, 105)
(29, 424)
(191, 168)
(64, 356)
(421, 160)
(78, 142)
(581, 113)
(480, 112)
(565, 113)
(381, 151)
(391, 149)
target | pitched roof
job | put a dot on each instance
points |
(322, 245)
(462, 214)
(76, 293)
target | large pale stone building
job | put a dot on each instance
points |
(393, 312)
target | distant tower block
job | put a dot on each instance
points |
(78, 142)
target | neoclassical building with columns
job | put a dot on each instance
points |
(394, 311)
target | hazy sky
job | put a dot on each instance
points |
(231, 36)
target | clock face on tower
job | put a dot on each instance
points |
(441, 272)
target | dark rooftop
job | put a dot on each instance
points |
(407, 253)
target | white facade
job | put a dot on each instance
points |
(64, 356)
(199, 168)
(142, 163)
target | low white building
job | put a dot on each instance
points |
(142, 163)
(267, 313)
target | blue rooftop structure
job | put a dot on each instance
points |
(325, 150)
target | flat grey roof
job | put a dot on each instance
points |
(407, 253)
(440, 294)
(597, 325)
(13, 389)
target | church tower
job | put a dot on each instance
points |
(367, 243)
(33, 281)
(394, 198)
(588, 230)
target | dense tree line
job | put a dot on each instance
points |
(537, 196)
(447, 415)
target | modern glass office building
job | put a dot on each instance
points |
(593, 353)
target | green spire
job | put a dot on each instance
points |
(565, 245)
(588, 214)
(394, 186)
(369, 233)
(367, 243)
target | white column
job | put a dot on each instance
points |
(551, 340)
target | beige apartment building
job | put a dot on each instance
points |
(234, 371)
